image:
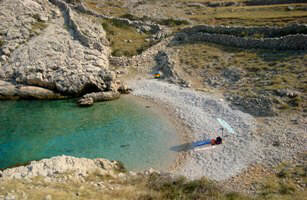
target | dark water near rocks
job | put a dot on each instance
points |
(122, 130)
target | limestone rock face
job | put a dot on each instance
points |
(89, 99)
(66, 53)
(85, 102)
(9, 91)
(61, 164)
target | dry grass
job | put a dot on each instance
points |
(287, 183)
(232, 15)
(124, 39)
(235, 15)
(262, 71)
(112, 8)
(38, 26)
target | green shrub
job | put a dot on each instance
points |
(172, 22)
(121, 167)
(131, 17)
(119, 23)
(181, 188)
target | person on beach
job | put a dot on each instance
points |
(216, 141)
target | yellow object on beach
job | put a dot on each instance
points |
(157, 75)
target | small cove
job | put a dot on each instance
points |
(129, 129)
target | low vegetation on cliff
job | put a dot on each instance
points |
(287, 183)
(124, 39)
(279, 75)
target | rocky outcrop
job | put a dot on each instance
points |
(9, 91)
(260, 106)
(62, 164)
(69, 56)
(89, 99)
(21, 20)
(89, 34)
(167, 65)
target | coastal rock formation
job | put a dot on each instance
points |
(61, 164)
(9, 91)
(51, 46)
(89, 99)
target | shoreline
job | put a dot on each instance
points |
(199, 112)
(151, 107)
(181, 129)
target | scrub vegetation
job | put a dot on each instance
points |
(113, 8)
(124, 39)
(288, 182)
(206, 12)
(258, 71)
(38, 26)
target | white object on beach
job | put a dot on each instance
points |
(225, 125)
(205, 148)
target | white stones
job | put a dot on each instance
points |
(3, 58)
(48, 197)
(10, 197)
(6, 51)
(199, 112)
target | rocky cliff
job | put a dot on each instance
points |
(46, 44)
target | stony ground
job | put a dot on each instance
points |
(249, 144)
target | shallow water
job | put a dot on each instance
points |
(122, 130)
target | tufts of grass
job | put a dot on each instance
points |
(131, 17)
(125, 40)
(1, 43)
(180, 188)
(172, 22)
(285, 184)
(262, 71)
(121, 167)
(37, 26)
(112, 8)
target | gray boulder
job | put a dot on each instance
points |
(259, 106)
(62, 164)
(9, 91)
(86, 102)
(68, 56)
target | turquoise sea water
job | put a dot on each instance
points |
(122, 130)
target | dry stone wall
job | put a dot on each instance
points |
(240, 31)
(271, 2)
(144, 27)
(229, 36)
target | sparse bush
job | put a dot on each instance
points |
(119, 23)
(172, 22)
(131, 17)
(181, 188)
(121, 167)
